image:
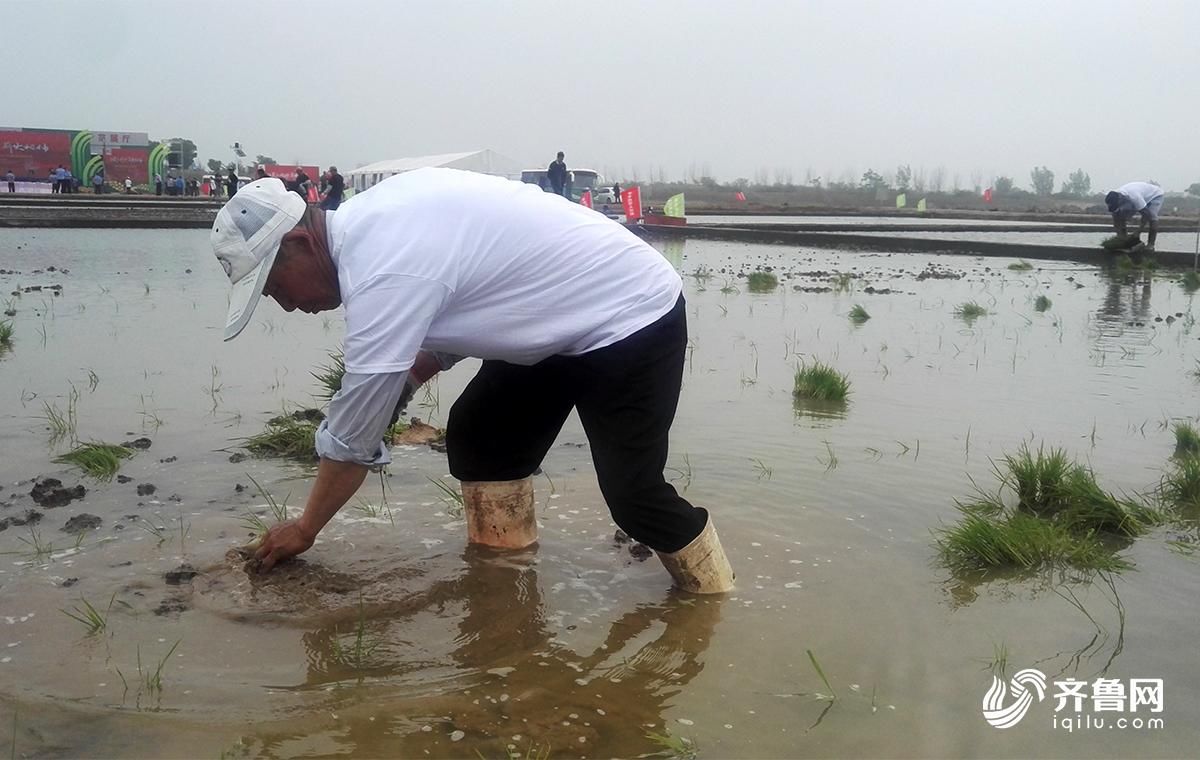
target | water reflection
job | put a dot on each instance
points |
(1125, 309)
(487, 657)
(821, 413)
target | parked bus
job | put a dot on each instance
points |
(578, 180)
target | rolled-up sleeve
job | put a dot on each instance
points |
(358, 417)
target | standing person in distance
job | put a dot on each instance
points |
(557, 174)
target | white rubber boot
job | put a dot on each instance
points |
(700, 567)
(500, 513)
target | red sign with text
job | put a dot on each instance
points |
(287, 172)
(586, 199)
(120, 163)
(631, 203)
(34, 154)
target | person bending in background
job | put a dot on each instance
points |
(1142, 198)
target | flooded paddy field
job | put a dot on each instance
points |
(846, 636)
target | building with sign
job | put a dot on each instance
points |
(32, 154)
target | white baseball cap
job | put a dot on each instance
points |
(246, 237)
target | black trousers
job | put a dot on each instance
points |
(509, 415)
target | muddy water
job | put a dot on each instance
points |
(1166, 241)
(393, 639)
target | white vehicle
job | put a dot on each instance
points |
(604, 195)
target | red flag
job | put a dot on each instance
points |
(631, 203)
(312, 194)
(987, 195)
(586, 200)
(740, 195)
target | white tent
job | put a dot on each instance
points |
(482, 161)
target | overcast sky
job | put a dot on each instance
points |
(832, 87)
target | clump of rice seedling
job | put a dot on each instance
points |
(288, 435)
(1190, 282)
(820, 382)
(1020, 266)
(677, 747)
(969, 310)
(1119, 242)
(100, 460)
(1187, 440)
(6, 335)
(1180, 486)
(980, 542)
(329, 376)
(1042, 303)
(1061, 517)
(842, 282)
(89, 617)
(762, 282)
(858, 314)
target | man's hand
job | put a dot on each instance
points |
(283, 540)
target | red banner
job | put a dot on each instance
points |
(586, 199)
(287, 172)
(987, 195)
(34, 153)
(631, 203)
(740, 196)
(120, 163)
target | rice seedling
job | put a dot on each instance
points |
(858, 314)
(361, 647)
(1180, 485)
(254, 525)
(673, 746)
(843, 282)
(1187, 440)
(93, 381)
(100, 460)
(213, 391)
(1190, 282)
(1061, 517)
(683, 473)
(278, 509)
(763, 470)
(288, 435)
(151, 681)
(329, 376)
(980, 542)
(532, 752)
(969, 311)
(62, 423)
(1020, 266)
(820, 382)
(729, 287)
(762, 282)
(812, 658)
(89, 617)
(6, 335)
(702, 274)
(158, 532)
(450, 497)
(1042, 303)
(39, 548)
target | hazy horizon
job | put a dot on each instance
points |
(766, 88)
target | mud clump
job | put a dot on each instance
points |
(640, 552)
(621, 537)
(138, 443)
(933, 273)
(171, 606)
(124, 479)
(49, 493)
(146, 489)
(419, 434)
(30, 517)
(81, 523)
(236, 457)
(180, 575)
